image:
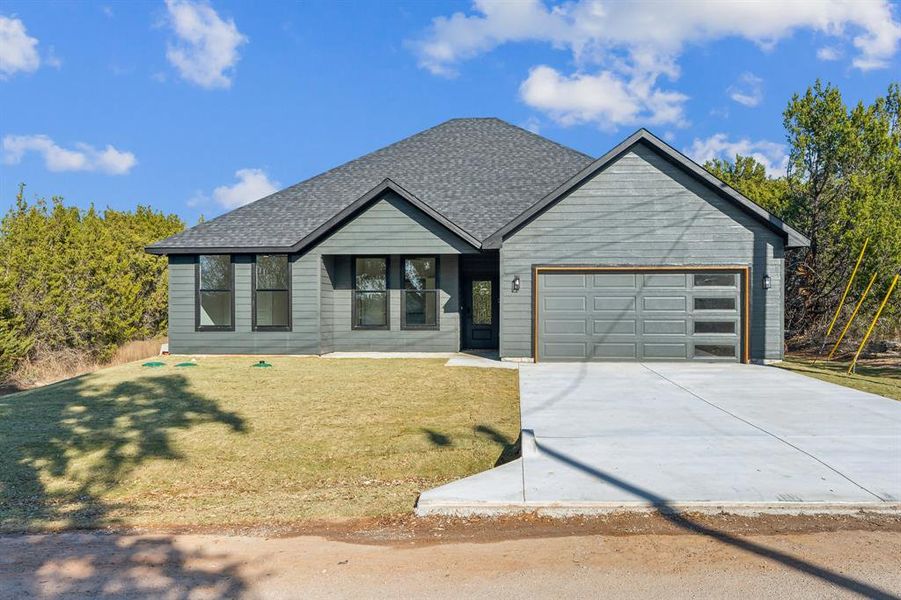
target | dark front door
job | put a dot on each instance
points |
(480, 310)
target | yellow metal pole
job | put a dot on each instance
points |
(873, 324)
(847, 287)
(841, 336)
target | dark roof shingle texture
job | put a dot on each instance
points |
(478, 173)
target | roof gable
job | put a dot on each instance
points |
(361, 205)
(792, 237)
(393, 224)
(476, 173)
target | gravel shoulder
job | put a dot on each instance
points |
(634, 555)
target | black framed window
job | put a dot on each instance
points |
(370, 302)
(215, 298)
(271, 292)
(419, 296)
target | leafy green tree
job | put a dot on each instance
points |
(843, 186)
(749, 177)
(73, 279)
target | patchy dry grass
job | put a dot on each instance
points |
(226, 444)
(883, 379)
(49, 367)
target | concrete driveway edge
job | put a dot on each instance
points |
(565, 510)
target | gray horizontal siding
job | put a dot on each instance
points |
(303, 339)
(392, 226)
(346, 339)
(642, 210)
(326, 305)
(321, 296)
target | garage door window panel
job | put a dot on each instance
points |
(714, 280)
(715, 327)
(714, 303)
(714, 351)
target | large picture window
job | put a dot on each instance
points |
(419, 300)
(271, 293)
(215, 305)
(370, 307)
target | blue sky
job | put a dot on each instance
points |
(194, 107)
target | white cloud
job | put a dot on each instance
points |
(252, 184)
(771, 154)
(604, 98)
(829, 53)
(625, 47)
(83, 157)
(659, 30)
(206, 49)
(52, 60)
(532, 124)
(748, 90)
(18, 50)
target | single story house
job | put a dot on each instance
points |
(477, 234)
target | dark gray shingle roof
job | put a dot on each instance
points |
(477, 173)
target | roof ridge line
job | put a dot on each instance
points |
(404, 189)
(546, 139)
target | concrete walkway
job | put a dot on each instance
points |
(606, 436)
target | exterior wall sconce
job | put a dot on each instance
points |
(516, 283)
(767, 283)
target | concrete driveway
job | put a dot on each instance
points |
(609, 435)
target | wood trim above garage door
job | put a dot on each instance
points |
(742, 270)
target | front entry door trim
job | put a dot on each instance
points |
(479, 306)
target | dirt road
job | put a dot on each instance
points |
(443, 559)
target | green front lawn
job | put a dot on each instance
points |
(225, 444)
(882, 380)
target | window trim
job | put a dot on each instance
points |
(254, 290)
(353, 295)
(198, 290)
(403, 293)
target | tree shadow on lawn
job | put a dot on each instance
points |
(64, 446)
(436, 438)
(510, 449)
(889, 373)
